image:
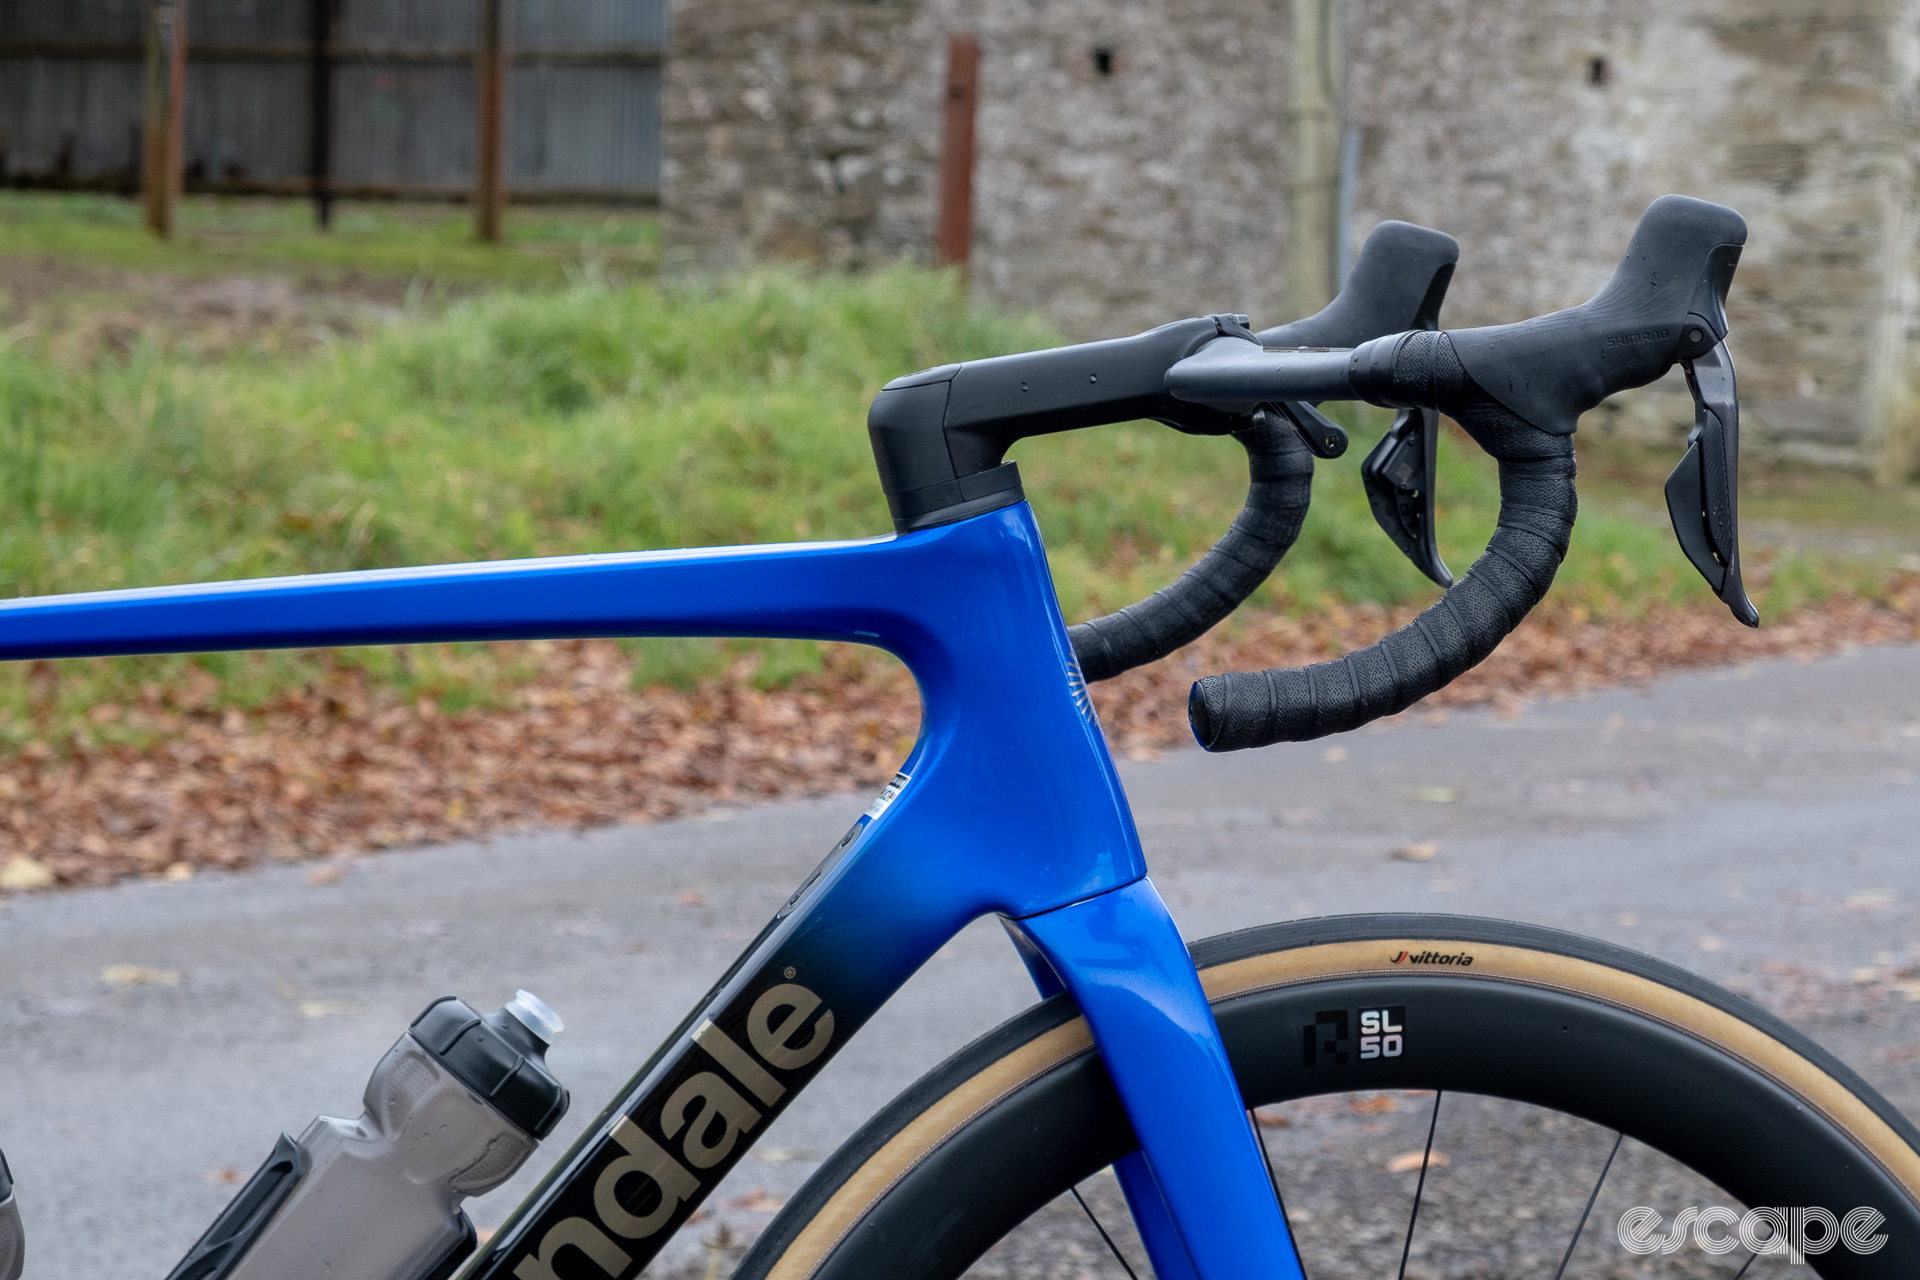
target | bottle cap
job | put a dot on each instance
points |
(501, 1057)
(535, 1015)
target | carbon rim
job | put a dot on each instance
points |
(1533, 1015)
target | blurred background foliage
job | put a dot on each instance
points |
(562, 396)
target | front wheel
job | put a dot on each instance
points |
(1563, 1103)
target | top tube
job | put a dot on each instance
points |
(1028, 813)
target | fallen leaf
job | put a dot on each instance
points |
(122, 976)
(1408, 1161)
(758, 1200)
(581, 735)
(784, 1155)
(329, 874)
(327, 1009)
(690, 898)
(24, 873)
(1374, 1105)
(1272, 1118)
(226, 1175)
(1422, 852)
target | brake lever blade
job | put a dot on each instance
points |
(1703, 491)
(1399, 477)
(1324, 437)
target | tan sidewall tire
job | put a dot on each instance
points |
(1512, 959)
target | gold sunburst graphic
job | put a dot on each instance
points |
(1077, 685)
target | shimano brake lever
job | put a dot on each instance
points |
(1703, 491)
(1398, 475)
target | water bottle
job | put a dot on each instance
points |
(456, 1106)
(13, 1245)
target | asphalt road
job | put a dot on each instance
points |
(1758, 825)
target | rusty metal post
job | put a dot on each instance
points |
(490, 73)
(954, 235)
(163, 140)
(325, 17)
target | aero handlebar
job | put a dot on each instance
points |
(1518, 390)
(1397, 283)
(940, 439)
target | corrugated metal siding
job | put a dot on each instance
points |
(583, 24)
(246, 21)
(447, 23)
(403, 125)
(584, 129)
(67, 118)
(246, 122)
(73, 19)
(583, 98)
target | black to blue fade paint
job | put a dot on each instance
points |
(1009, 803)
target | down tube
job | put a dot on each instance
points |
(850, 936)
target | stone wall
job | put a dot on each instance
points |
(1112, 201)
(1537, 130)
(798, 130)
(1534, 130)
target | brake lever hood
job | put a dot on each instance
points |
(1703, 491)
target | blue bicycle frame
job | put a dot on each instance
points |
(1008, 804)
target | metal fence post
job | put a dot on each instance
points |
(163, 125)
(953, 237)
(325, 17)
(490, 193)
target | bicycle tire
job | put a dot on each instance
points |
(1539, 1016)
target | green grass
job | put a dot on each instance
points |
(1812, 499)
(227, 236)
(602, 415)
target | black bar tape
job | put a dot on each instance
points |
(1243, 709)
(1280, 472)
